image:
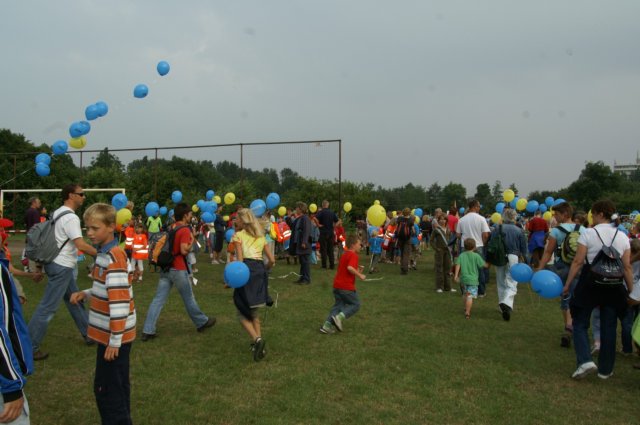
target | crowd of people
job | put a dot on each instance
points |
(568, 243)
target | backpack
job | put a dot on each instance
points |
(497, 249)
(161, 248)
(567, 250)
(41, 244)
(606, 268)
(404, 229)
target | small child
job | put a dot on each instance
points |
(415, 247)
(338, 229)
(347, 302)
(140, 252)
(250, 246)
(375, 246)
(112, 315)
(467, 272)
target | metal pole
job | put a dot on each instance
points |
(155, 177)
(241, 171)
(340, 173)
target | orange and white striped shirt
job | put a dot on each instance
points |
(112, 313)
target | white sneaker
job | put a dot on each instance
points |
(215, 262)
(453, 290)
(584, 370)
(439, 291)
(601, 376)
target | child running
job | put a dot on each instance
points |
(250, 245)
(347, 302)
(112, 316)
(467, 272)
(140, 252)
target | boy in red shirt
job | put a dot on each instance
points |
(344, 287)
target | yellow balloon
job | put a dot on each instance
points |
(225, 218)
(547, 215)
(282, 211)
(376, 215)
(508, 195)
(637, 220)
(394, 213)
(496, 218)
(229, 198)
(417, 220)
(347, 206)
(217, 199)
(195, 208)
(521, 204)
(78, 142)
(123, 216)
(590, 218)
(313, 208)
(376, 202)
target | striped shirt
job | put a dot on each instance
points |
(112, 313)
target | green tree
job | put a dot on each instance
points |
(484, 196)
(595, 182)
(454, 194)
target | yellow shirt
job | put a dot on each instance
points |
(251, 247)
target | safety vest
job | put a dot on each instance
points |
(129, 233)
(387, 243)
(284, 232)
(140, 247)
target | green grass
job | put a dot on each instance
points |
(408, 357)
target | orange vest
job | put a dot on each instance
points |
(129, 233)
(140, 247)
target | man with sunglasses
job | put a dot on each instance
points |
(62, 272)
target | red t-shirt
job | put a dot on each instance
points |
(183, 235)
(452, 222)
(344, 278)
(537, 224)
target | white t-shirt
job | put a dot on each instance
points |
(473, 225)
(590, 239)
(635, 294)
(67, 227)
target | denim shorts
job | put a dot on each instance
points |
(471, 290)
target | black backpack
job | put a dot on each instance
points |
(606, 268)
(497, 249)
(404, 228)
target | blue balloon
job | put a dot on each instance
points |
(542, 208)
(258, 206)
(236, 274)
(461, 210)
(521, 273)
(60, 147)
(163, 210)
(42, 169)
(75, 129)
(176, 196)
(91, 112)
(209, 195)
(85, 127)
(532, 206)
(229, 234)
(547, 284)
(513, 203)
(171, 212)
(119, 201)
(210, 206)
(43, 158)
(500, 207)
(140, 91)
(103, 108)
(634, 212)
(273, 200)
(163, 68)
(558, 201)
(418, 212)
(200, 203)
(549, 201)
(151, 209)
(208, 217)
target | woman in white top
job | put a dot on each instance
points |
(592, 291)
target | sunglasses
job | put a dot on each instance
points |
(80, 194)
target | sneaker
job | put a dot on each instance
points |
(40, 355)
(439, 291)
(210, 322)
(584, 370)
(327, 330)
(602, 376)
(139, 279)
(258, 349)
(453, 290)
(337, 320)
(506, 312)
(215, 262)
(147, 337)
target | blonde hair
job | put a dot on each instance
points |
(249, 223)
(103, 212)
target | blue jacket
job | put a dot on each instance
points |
(16, 353)
(514, 239)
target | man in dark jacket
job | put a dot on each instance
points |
(302, 240)
(326, 218)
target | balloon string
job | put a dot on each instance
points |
(19, 175)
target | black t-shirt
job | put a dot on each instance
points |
(326, 218)
(31, 218)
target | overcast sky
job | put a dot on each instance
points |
(418, 91)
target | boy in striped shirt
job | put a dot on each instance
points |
(112, 316)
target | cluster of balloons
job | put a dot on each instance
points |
(42, 164)
(97, 110)
(119, 202)
(545, 283)
(521, 204)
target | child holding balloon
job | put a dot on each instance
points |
(250, 245)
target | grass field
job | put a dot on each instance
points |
(408, 357)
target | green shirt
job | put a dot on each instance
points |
(154, 224)
(470, 262)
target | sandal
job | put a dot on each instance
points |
(467, 316)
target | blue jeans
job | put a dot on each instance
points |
(347, 302)
(608, 322)
(483, 273)
(180, 279)
(61, 285)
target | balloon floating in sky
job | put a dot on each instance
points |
(508, 195)
(42, 169)
(140, 91)
(103, 109)
(376, 215)
(91, 112)
(217, 199)
(163, 68)
(163, 210)
(79, 128)
(78, 142)
(282, 211)
(273, 199)
(229, 198)
(176, 197)
(209, 195)
(152, 208)
(496, 218)
(119, 201)
(347, 206)
(258, 206)
(123, 216)
(60, 147)
(43, 158)
(313, 208)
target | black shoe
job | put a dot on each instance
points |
(40, 355)
(303, 282)
(299, 281)
(565, 340)
(210, 322)
(147, 337)
(258, 349)
(506, 312)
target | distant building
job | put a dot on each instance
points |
(627, 169)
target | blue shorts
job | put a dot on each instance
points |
(471, 290)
